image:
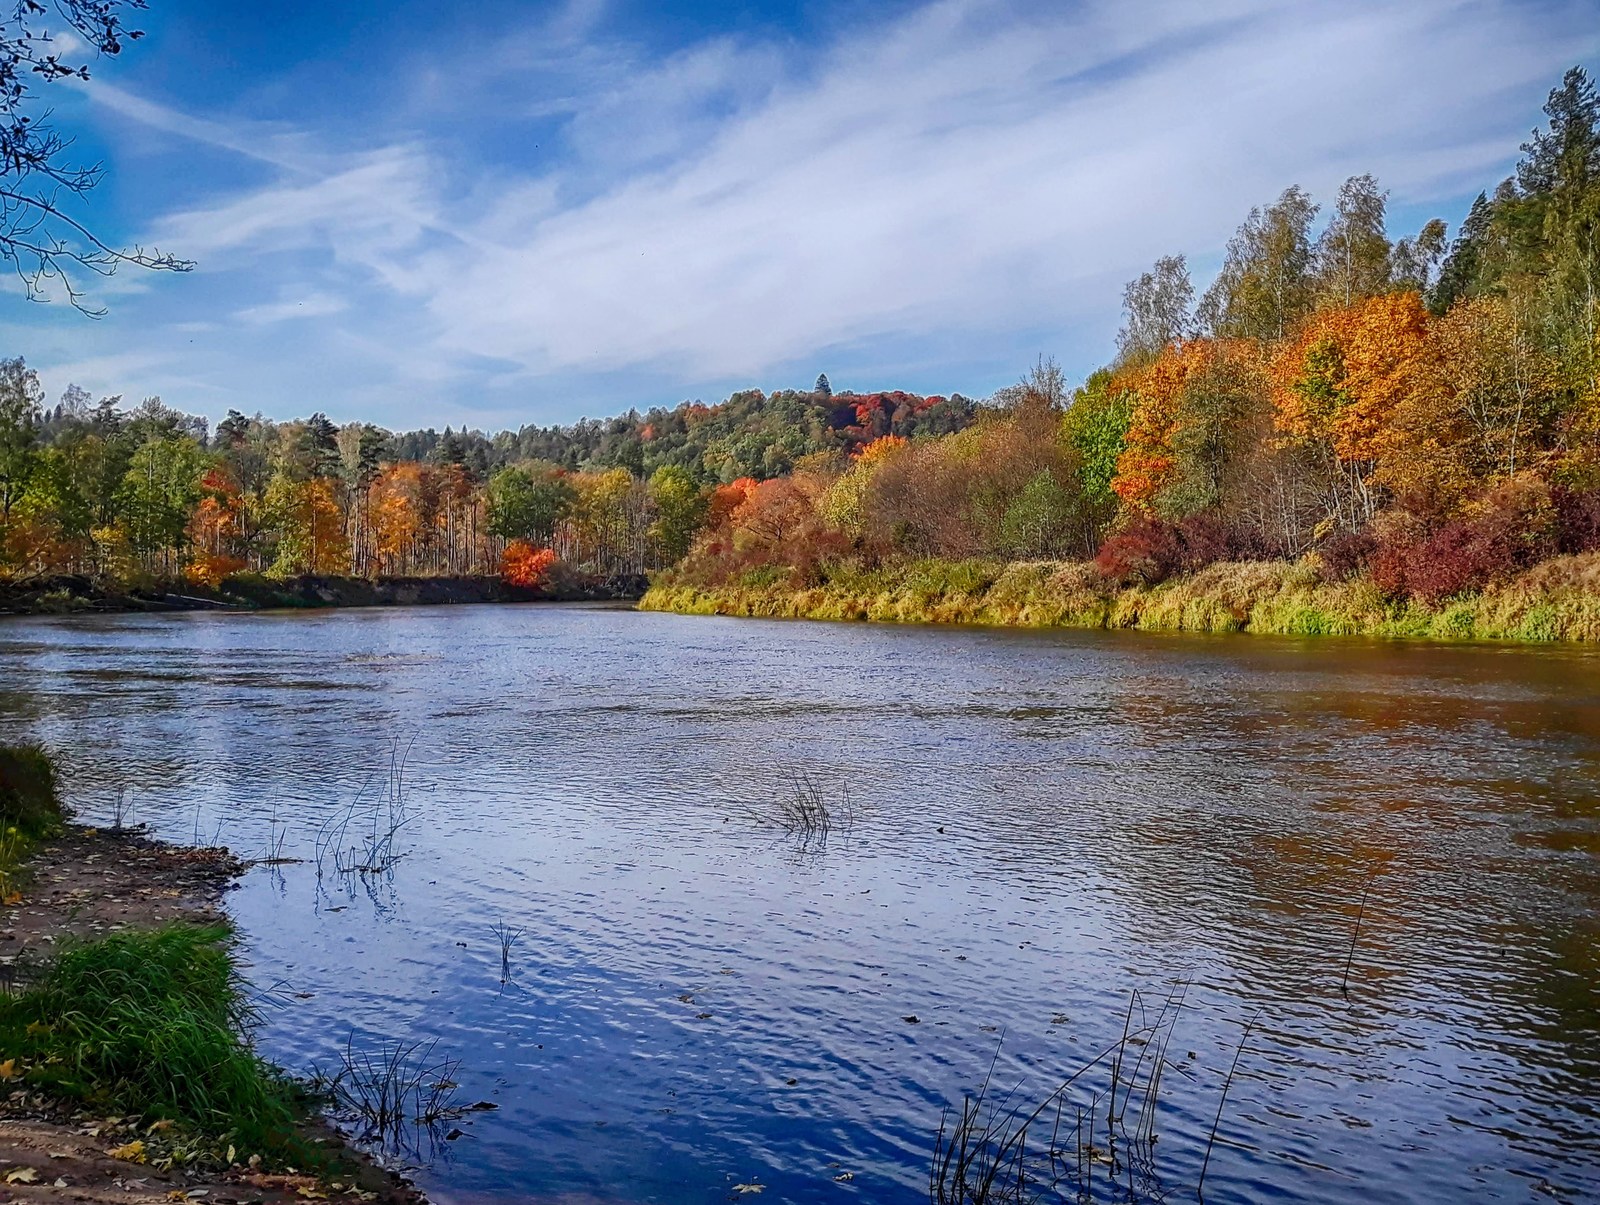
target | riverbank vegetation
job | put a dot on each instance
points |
(1343, 433)
(30, 809)
(126, 1025)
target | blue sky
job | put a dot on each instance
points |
(529, 212)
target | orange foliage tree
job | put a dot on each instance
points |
(216, 529)
(1337, 385)
(525, 564)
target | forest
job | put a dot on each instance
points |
(148, 494)
(1421, 414)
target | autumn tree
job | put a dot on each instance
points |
(1157, 309)
(1266, 283)
(1336, 386)
(1352, 255)
(310, 527)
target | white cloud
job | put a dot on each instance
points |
(963, 174)
(312, 305)
(961, 171)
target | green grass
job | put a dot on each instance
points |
(154, 1024)
(1558, 600)
(28, 798)
(30, 808)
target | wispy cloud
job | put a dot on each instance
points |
(312, 305)
(942, 185)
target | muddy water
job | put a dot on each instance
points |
(1043, 825)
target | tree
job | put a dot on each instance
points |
(526, 502)
(311, 535)
(1414, 263)
(680, 510)
(159, 491)
(1095, 427)
(20, 399)
(41, 237)
(823, 389)
(1265, 284)
(1563, 160)
(1338, 384)
(1040, 519)
(1459, 277)
(1353, 253)
(1157, 309)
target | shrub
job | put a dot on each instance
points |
(1146, 550)
(1577, 523)
(1461, 556)
(1346, 554)
(28, 798)
(524, 564)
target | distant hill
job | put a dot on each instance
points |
(752, 434)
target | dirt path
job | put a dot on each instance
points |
(89, 883)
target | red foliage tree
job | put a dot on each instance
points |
(526, 565)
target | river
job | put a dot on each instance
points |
(1383, 858)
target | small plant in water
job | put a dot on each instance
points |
(396, 1093)
(1092, 1138)
(808, 817)
(368, 848)
(507, 937)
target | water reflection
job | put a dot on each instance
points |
(1043, 822)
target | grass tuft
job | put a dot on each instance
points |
(154, 1023)
(28, 799)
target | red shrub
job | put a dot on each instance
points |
(524, 564)
(1577, 526)
(1150, 550)
(1464, 555)
(1346, 554)
(1146, 550)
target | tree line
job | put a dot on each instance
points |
(1424, 410)
(129, 493)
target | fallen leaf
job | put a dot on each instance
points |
(133, 1152)
(8, 1069)
(23, 1175)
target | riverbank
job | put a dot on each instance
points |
(128, 1073)
(71, 595)
(1558, 600)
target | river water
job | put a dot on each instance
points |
(1384, 858)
